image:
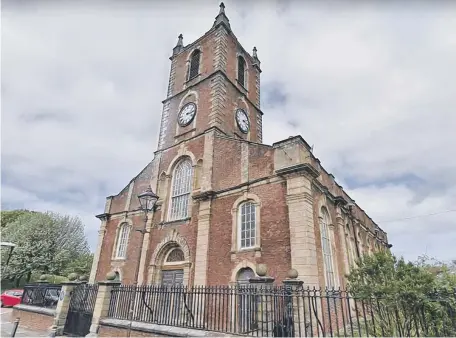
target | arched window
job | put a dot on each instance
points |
(194, 64)
(176, 255)
(122, 240)
(241, 71)
(181, 189)
(247, 225)
(326, 248)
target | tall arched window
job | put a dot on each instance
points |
(326, 248)
(194, 64)
(247, 225)
(181, 189)
(241, 70)
(122, 240)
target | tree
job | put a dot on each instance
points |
(46, 243)
(82, 265)
(10, 216)
(403, 298)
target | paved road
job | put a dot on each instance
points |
(7, 327)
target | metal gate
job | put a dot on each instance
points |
(80, 312)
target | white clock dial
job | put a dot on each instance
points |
(186, 114)
(242, 120)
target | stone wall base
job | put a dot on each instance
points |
(119, 328)
(33, 317)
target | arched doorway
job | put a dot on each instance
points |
(170, 262)
(244, 275)
(247, 304)
(172, 270)
(171, 278)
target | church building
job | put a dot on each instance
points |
(227, 201)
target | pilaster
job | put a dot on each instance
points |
(145, 246)
(164, 125)
(172, 77)
(101, 234)
(208, 158)
(302, 231)
(218, 101)
(221, 48)
(130, 192)
(342, 239)
(202, 242)
(244, 162)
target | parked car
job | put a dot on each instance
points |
(51, 298)
(11, 297)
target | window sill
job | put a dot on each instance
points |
(174, 222)
(192, 79)
(242, 86)
(119, 259)
(255, 251)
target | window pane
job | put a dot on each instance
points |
(326, 248)
(181, 189)
(241, 70)
(122, 241)
(194, 64)
(247, 226)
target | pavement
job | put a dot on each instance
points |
(7, 327)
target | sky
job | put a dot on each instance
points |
(371, 86)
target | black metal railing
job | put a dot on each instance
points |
(42, 295)
(280, 311)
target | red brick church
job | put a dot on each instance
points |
(227, 201)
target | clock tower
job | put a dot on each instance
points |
(226, 201)
(214, 83)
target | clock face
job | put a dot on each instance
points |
(242, 120)
(186, 114)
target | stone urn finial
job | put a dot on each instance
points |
(83, 278)
(292, 274)
(261, 270)
(73, 276)
(111, 275)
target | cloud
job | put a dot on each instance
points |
(370, 85)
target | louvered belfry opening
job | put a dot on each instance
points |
(241, 71)
(194, 64)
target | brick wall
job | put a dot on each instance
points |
(109, 331)
(33, 320)
(275, 238)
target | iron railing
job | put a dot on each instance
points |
(80, 311)
(281, 311)
(42, 295)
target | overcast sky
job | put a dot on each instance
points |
(372, 87)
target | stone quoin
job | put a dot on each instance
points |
(228, 202)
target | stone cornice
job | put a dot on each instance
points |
(299, 197)
(323, 189)
(204, 195)
(306, 168)
(297, 138)
(103, 217)
(340, 201)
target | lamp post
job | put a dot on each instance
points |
(147, 201)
